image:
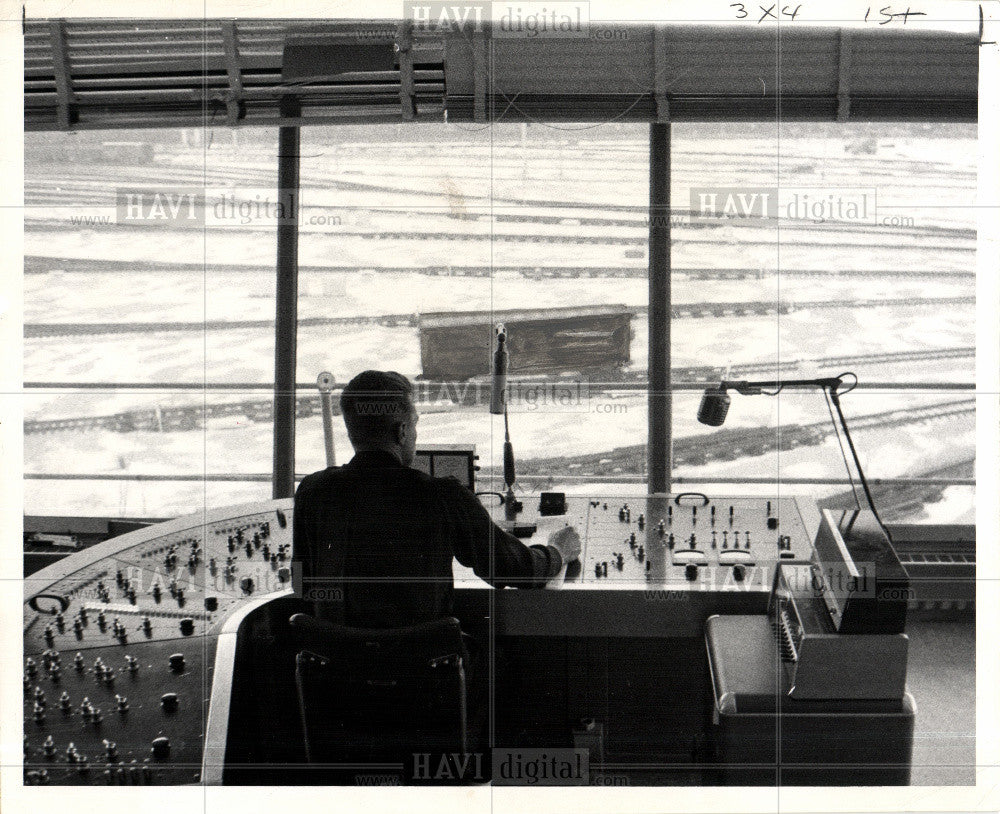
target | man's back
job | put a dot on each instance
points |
(386, 535)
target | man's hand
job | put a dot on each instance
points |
(567, 542)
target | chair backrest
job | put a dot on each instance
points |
(380, 694)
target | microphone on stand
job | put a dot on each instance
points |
(498, 406)
(498, 383)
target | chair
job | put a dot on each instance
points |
(370, 696)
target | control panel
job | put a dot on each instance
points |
(684, 539)
(120, 642)
(128, 645)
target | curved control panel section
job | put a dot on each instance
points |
(120, 644)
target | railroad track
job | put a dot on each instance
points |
(542, 213)
(726, 444)
(905, 171)
(697, 310)
(898, 502)
(90, 187)
(40, 330)
(37, 264)
(485, 235)
(445, 396)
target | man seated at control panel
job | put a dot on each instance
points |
(385, 534)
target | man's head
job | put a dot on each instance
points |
(378, 410)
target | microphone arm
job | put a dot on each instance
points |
(830, 385)
(509, 473)
(835, 398)
(756, 388)
(498, 380)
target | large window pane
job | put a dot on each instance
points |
(865, 263)
(142, 268)
(486, 223)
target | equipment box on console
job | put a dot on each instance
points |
(763, 737)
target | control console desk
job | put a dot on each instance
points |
(146, 658)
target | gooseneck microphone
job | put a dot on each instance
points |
(715, 404)
(498, 381)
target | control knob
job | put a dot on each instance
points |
(161, 748)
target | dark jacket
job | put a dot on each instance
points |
(385, 535)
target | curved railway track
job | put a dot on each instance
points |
(90, 187)
(723, 445)
(542, 212)
(898, 502)
(607, 157)
(729, 444)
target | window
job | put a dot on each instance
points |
(417, 239)
(868, 267)
(442, 231)
(149, 306)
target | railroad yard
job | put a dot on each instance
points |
(390, 231)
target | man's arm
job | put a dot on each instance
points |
(496, 556)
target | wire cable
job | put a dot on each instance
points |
(840, 442)
(857, 463)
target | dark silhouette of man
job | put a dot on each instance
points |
(385, 534)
